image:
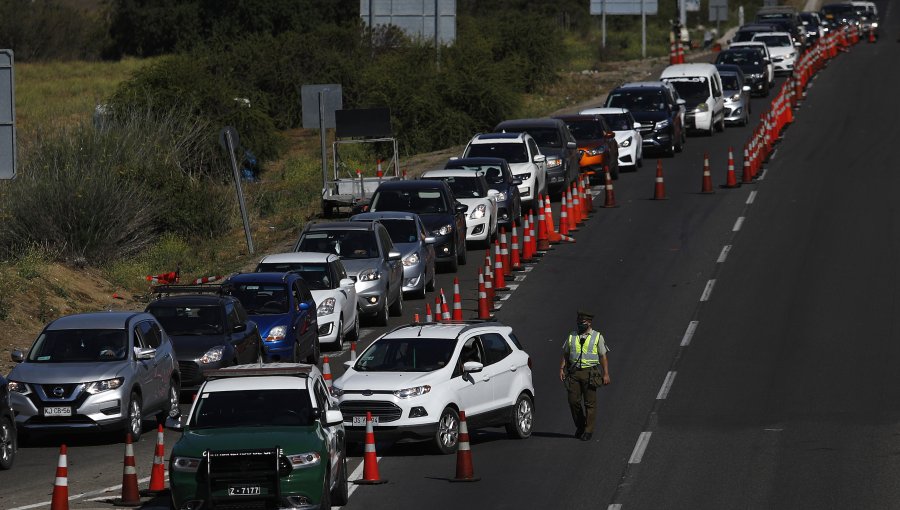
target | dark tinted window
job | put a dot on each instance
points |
(349, 244)
(464, 187)
(495, 347)
(188, 320)
(511, 152)
(588, 129)
(315, 274)
(406, 355)
(637, 100)
(262, 298)
(545, 137)
(80, 345)
(401, 231)
(417, 201)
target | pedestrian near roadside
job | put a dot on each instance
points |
(583, 369)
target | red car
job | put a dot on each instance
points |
(597, 143)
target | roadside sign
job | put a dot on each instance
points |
(7, 116)
(430, 20)
(313, 98)
(718, 10)
(624, 7)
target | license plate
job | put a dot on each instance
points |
(57, 411)
(243, 490)
(361, 420)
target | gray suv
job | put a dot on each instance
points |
(368, 254)
(95, 371)
(556, 143)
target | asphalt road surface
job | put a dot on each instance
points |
(753, 334)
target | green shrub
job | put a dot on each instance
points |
(51, 30)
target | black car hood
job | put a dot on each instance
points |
(188, 347)
(649, 116)
(434, 221)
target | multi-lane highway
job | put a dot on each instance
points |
(754, 336)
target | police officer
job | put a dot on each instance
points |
(583, 369)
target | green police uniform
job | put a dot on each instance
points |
(583, 377)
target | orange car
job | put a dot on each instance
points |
(597, 144)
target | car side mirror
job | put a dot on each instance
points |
(493, 193)
(17, 355)
(430, 240)
(333, 417)
(517, 182)
(797, 44)
(610, 135)
(472, 366)
(304, 306)
(174, 423)
(571, 145)
(540, 158)
(394, 255)
(145, 354)
(239, 327)
(346, 282)
(461, 208)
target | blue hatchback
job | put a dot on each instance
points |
(283, 308)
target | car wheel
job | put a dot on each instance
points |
(339, 340)
(134, 420)
(295, 355)
(461, 254)
(430, 285)
(521, 418)
(446, 437)
(313, 357)
(381, 317)
(174, 401)
(453, 263)
(354, 335)
(340, 495)
(325, 501)
(397, 306)
(420, 293)
(722, 125)
(7, 444)
(672, 149)
(614, 173)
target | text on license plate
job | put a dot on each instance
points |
(243, 490)
(57, 411)
(361, 420)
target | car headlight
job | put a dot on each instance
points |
(479, 212)
(276, 334)
(213, 355)
(874, 24)
(92, 388)
(554, 162)
(326, 307)
(793, 54)
(369, 275)
(445, 230)
(736, 97)
(18, 387)
(411, 260)
(412, 392)
(186, 464)
(626, 142)
(702, 107)
(304, 460)
(523, 177)
(596, 151)
(501, 196)
(661, 124)
(336, 392)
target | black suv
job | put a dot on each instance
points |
(434, 202)
(659, 110)
(556, 142)
(752, 62)
(499, 177)
(8, 439)
(208, 330)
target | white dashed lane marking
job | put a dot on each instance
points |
(689, 333)
(751, 198)
(666, 386)
(724, 254)
(708, 290)
(738, 224)
(638, 453)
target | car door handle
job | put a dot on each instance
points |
(513, 368)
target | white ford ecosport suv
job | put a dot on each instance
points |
(415, 379)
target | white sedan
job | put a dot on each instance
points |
(631, 152)
(333, 291)
(472, 190)
(782, 49)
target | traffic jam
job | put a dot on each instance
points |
(280, 387)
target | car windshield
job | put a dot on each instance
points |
(692, 90)
(406, 355)
(588, 129)
(545, 137)
(401, 231)
(637, 100)
(511, 152)
(740, 58)
(80, 346)
(262, 298)
(744, 36)
(618, 121)
(348, 244)
(776, 41)
(492, 173)
(315, 274)
(730, 82)
(189, 320)
(464, 187)
(417, 201)
(253, 408)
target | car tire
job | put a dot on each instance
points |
(313, 357)
(461, 255)
(134, 418)
(174, 402)
(396, 308)
(446, 435)
(614, 173)
(325, 501)
(295, 354)
(340, 495)
(354, 335)
(381, 317)
(429, 287)
(8, 444)
(521, 418)
(339, 340)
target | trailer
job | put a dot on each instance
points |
(352, 189)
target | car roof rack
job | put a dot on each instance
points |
(294, 370)
(169, 289)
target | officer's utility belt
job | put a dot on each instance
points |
(573, 368)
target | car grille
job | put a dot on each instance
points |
(190, 372)
(385, 411)
(67, 390)
(646, 127)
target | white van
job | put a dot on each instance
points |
(701, 88)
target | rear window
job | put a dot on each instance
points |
(348, 244)
(638, 100)
(511, 152)
(401, 231)
(189, 320)
(262, 298)
(587, 129)
(417, 201)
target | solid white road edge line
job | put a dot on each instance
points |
(666, 386)
(724, 254)
(640, 447)
(689, 333)
(708, 290)
(737, 224)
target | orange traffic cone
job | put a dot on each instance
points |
(871, 35)
(570, 209)
(534, 238)
(578, 218)
(526, 242)
(158, 469)
(370, 459)
(747, 175)
(707, 177)
(499, 271)
(457, 301)
(207, 279)
(563, 216)
(130, 494)
(326, 372)
(378, 172)
(445, 308)
(464, 470)
(504, 248)
(610, 194)
(589, 208)
(515, 262)
(60, 499)
(543, 240)
(731, 178)
(659, 192)
(428, 316)
(484, 309)
(437, 309)
(489, 276)
(353, 345)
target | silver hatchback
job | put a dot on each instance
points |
(95, 371)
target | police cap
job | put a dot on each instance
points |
(585, 315)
